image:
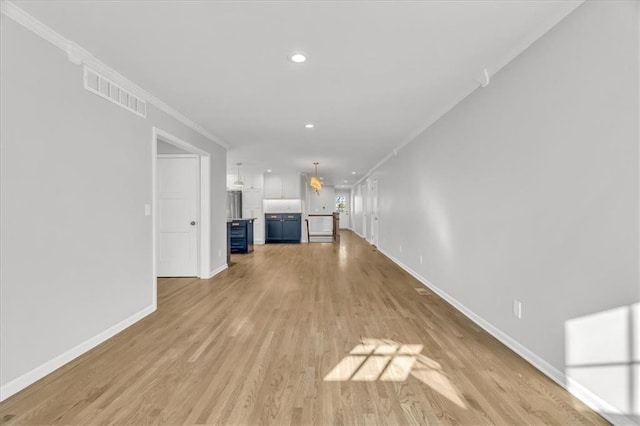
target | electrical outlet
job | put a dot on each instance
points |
(400, 248)
(147, 209)
(219, 252)
(517, 309)
(421, 259)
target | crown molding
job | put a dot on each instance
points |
(78, 55)
(481, 79)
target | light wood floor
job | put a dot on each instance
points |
(299, 334)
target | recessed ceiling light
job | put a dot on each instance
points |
(321, 178)
(298, 58)
(269, 170)
(346, 181)
(353, 173)
(309, 125)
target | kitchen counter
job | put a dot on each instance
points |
(289, 212)
(282, 227)
(239, 235)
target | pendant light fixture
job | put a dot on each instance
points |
(314, 182)
(238, 181)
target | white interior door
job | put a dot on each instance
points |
(364, 192)
(344, 212)
(373, 192)
(177, 216)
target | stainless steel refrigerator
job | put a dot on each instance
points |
(234, 204)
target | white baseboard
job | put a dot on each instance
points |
(216, 271)
(592, 400)
(50, 366)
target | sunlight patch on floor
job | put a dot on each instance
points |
(386, 360)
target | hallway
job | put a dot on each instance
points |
(299, 334)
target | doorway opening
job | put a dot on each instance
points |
(343, 206)
(181, 211)
(372, 214)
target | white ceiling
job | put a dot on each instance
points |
(377, 72)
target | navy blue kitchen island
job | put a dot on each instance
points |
(240, 235)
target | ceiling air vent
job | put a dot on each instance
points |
(109, 90)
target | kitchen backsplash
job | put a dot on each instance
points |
(283, 206)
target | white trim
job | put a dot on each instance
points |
(10, 10)
(50, 366)
(215, 272)
(79, 55)
(205, 215)
(526, 41)
(592, 400)
(178, 156)
(176, 141)
(154, 225)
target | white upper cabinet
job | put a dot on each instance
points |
(272, 186)
(291, 185)
(283, 186)
(252, 180)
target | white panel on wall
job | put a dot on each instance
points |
(323, 203)
(282, 206)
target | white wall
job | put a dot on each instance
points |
(324, 202)
(357, 208)
(76, 247)
(167, 148)
(528, 190)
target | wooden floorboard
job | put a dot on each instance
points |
(300, 334)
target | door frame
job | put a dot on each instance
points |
(203, 198)
(362, 189)
(372, 211)
(347, 212)
(375, 211)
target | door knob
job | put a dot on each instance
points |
(193, 223)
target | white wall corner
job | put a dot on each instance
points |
(592, 400)
(215, 272)
(50, 366)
